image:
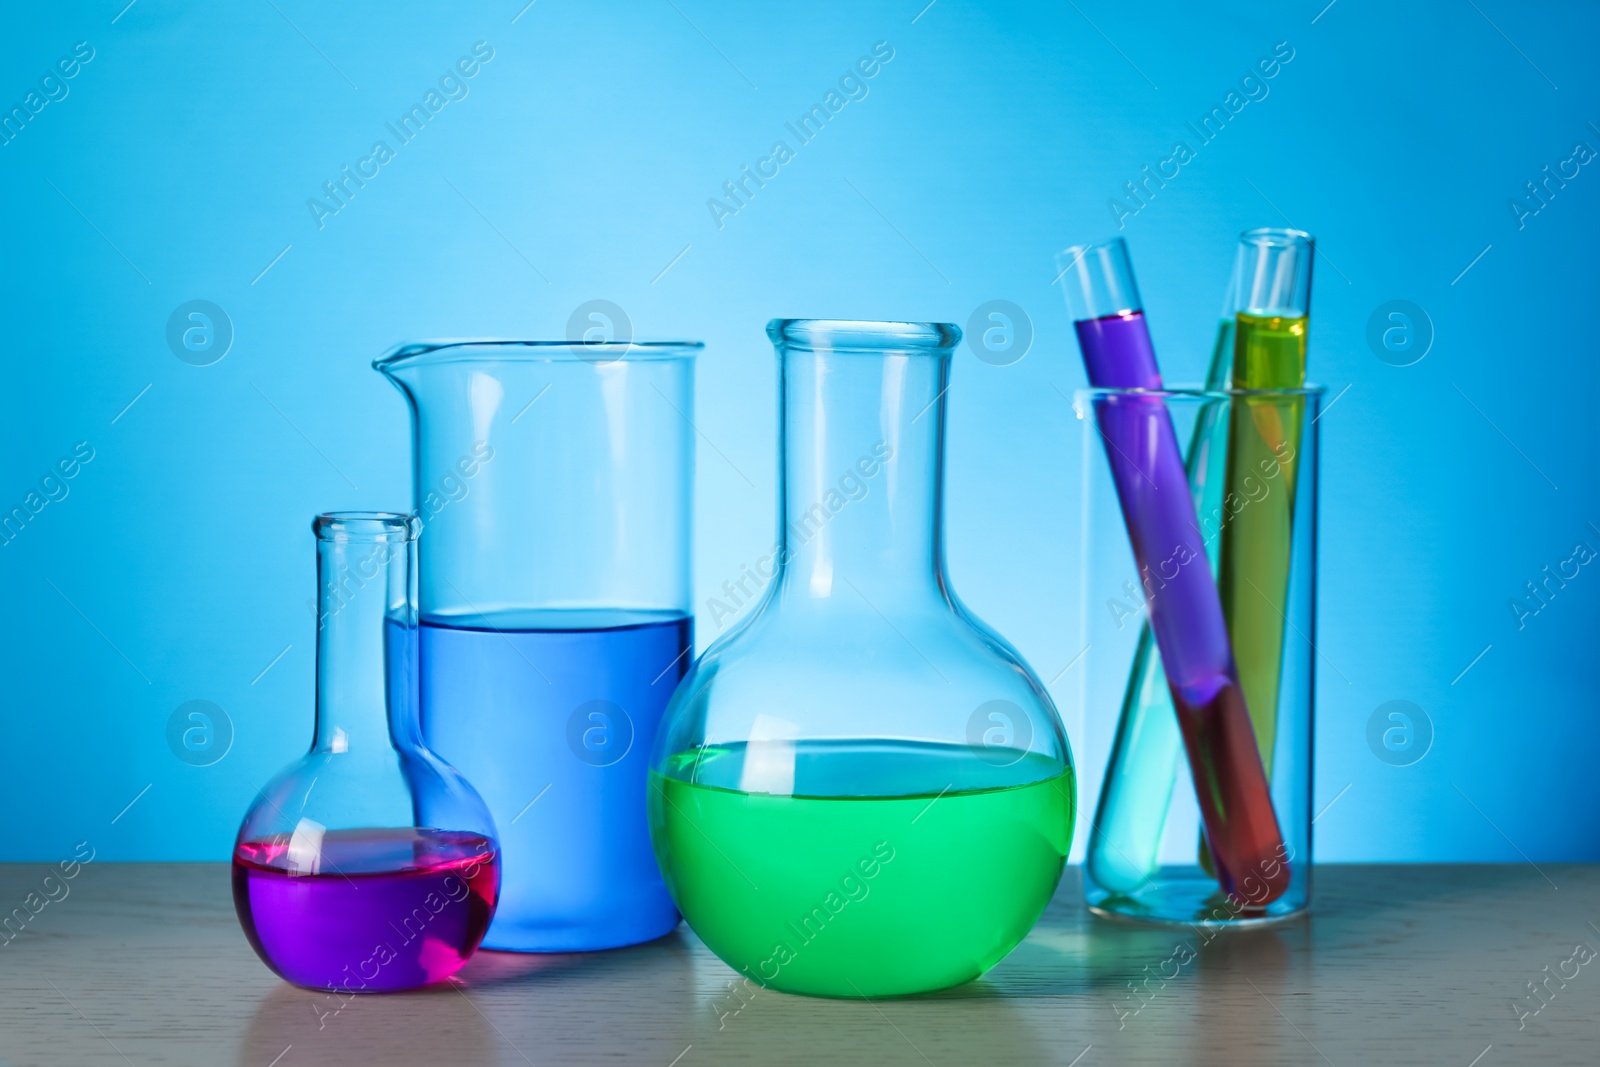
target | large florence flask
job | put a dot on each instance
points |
(862, 790)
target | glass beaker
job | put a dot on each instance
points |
(553, 482)
(1171, 884)
(861, 790)
(369, 864)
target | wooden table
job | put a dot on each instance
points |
(145, 964)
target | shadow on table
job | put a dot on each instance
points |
(778, 1029)
(674, 987)
(435, 1025)
(1074, 953)
(664, 960)
(501, 1007)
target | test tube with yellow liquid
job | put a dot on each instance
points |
(1271, 324)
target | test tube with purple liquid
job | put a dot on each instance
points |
(1180, 592)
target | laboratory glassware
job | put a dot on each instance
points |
(862, 790)
(1179, 889)
(369, 864)
(553, 481)
(1175, 580)
(1122, 852)
(1265, 426)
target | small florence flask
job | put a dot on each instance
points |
(369, 864)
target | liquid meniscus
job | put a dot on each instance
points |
(1269, 351)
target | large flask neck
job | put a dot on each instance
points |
(862, 451)
(366, 633)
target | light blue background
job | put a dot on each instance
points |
(181, 561)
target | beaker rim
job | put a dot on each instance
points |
(865, 335)
(366, 526)
(505, 349)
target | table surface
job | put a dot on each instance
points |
(145, 964)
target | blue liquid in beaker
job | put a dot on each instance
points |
(552, 716)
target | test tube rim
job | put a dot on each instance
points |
(1278, 237)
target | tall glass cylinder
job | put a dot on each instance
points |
(1173, 884)
(553, 482)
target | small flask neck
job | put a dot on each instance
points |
(366, 646)
(862, 467)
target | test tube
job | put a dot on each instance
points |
(1272, 320)
(1123, 850)
(1185, 611)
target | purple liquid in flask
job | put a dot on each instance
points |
(369, 864)
(377, 910)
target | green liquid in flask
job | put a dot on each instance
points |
(922, 880)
